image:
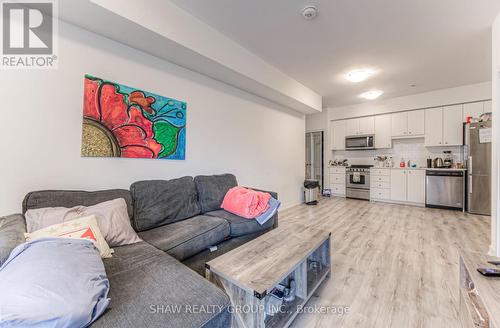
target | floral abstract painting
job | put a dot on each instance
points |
(120, 121)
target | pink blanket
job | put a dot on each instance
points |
(245, 202)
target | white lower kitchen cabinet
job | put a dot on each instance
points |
(408, 186)
(337, 180)
(380, 184)
(338, 190)
(398, 185)
(416, 186)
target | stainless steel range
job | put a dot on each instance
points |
(358, 182)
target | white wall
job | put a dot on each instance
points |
(495, 231)
(227, 130)
(317, 122)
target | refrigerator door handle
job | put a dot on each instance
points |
(470, 164)
(470, 184)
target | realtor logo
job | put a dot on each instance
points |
(28, 34)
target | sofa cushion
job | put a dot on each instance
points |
(188, 237)
(53, 282)
(212, 189)
(160, 202)
(146, 283)
(72, 198)
(241, 226)
(12, 229)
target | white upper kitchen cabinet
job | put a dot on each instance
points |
(416, 123)
(399, 124)
(352, 127)
(434, 127)
(398, 185)
(383, 137)
(366, 125)
(408, 124)
(473, 110)
(360, 126)
(416, 186)
(337, 134)
(452, 125)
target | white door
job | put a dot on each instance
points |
(337, 133)
(399, 123)
(416, 123)
(398, 185)
(453, 134)
(383, 138)
(434, 127)
(367, 125)
(473, 110)
(416, 186)
(352, 127)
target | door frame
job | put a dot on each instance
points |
(322, 166)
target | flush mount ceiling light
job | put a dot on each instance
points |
(359, 75)
(372, 94)
(309, 12)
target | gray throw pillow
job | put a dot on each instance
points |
(212, 189)
(12, 229)
(160, 202)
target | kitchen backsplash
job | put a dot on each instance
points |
(408, 149)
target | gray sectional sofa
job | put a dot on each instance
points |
(159, 282)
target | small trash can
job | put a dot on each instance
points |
(311, 191)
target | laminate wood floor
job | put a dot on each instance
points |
(393, 265)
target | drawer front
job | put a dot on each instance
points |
(338, 189)
(376, 193)
(380, 172)
(337, 179)
(379, 178)
(381, 185)
(337, 170)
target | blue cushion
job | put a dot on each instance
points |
(53, 282)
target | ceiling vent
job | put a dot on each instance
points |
(310, 12)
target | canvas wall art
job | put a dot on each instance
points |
(121, 121)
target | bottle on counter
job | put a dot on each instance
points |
(402, 163)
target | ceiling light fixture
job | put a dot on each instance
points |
(372, 94)
(359, 75)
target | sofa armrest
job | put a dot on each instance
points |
(12, 229)
(275, 196)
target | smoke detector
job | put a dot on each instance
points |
(310, 12)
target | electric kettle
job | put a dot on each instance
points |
(438, 162)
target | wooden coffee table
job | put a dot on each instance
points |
(249, 273)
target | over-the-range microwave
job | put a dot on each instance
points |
(360, 142)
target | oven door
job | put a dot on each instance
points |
(360, 142)
(358, 180)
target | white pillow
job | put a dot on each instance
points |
(82, 228)
(112, 217)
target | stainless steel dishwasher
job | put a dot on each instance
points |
(445, 189)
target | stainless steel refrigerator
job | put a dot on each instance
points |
(478, 152)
